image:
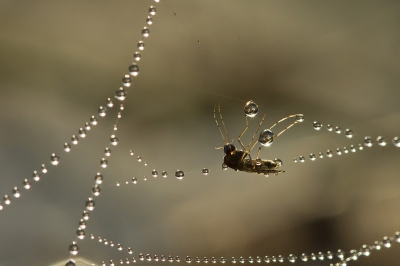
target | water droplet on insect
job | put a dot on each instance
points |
(90, 204)
(179, 174)
(349, 133)
(133, 69)
(345, 150)
(74, 140)
(292, 258)
(73, 248)
(154, 173)
(338, 151)
(381, 141)
(145, 32)
(139, 159)
(250, 109)
(140, 45)
(152, 10)
(134, 180)
(107, 152)
(224, 166)
(317, 125)
(338, 130)
(299, 118)
(103, 162)
(96, 190)
(295, 160)
(258, 161)
(70, 262)
(278, 162)
(266, 138)
(368, 141)
(313, 157)
(302, 159)
(320, 155)
(36, 176)
(102, 111)
(27, 184)
(93, 120)
(304, 257)
(329, 153)
(113, 140)
(55, 160)
(80, 234)
(205, 171)
(16, 192)
(126, 80)
(98, 178)
(149, 21)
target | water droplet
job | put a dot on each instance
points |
(103, 162)
(98, 178)
(145, 178)
(118, 184)
(338, 130)
(329, 127)
(396, 141)
(396, 237)
(102, 111)
(295, 160)
(164, 174)
(139, 159)
(349, 133)
(154, 173)
(339, 151)
(258, 161)
(156, 258)
(133, 69)
(119, 247)
(302, 159)
(120, 94)
(107, 152)
(205, 171)
(119, 115)
(87, 126)
(131, 152)
(353, 254)
(70, 263)
(90, 204)
(242, 260)
(16, 192)
(188, 259)
(233, 259)
(273, 259)
(170, 259)
(134, 180)
(266, 138)
(377, 245)
(368, 141)
(381, 141)
(179, 174)
(113, 140)
(145, 32)
(353, 148)
(222, 260)
(96, 190)
(304, 257)
(278, 162)
(365, 250)
(299, 118)
(321, 256)
(386, 242)
(27, 184)
(250, 260)
(109, 103)
(197, 260)
(320, 155)
(317, 125)
(85, 215)
(55, 160)
(44, 169)
(313, 257)
(340, 254)
(36, 176)
(80, 234)
(126, 80)
(345, 150)
(250, 109)
(224, 166)
(149, 21)
(74, 140)
(93, 120)
(280, 258)
(73, 248)
(178, 259)
(329, 153)
(313, 157)
(152, 10)
(292, 258)
(140, 45)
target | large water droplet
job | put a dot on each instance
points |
(140, 45)
(152, 10)
(113, 140)
(102, 111)
(145, 32)
(266, 138)
(93, 120)
(299, 118)
(317, 125)
(205, 171)
(73, 248)
(179, 174)
(349, 133)
(98, 178)
(103, 162)
(250, 109)
(55, 160)
(381, 141)
(90, 204)
(133, 69)
(368, 141)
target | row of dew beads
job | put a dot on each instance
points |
(368, 142)
(120, 95)
(365, 250)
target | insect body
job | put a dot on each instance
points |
(240, 160)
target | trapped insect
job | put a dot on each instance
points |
(240, 160)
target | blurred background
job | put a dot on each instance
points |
(336, 62)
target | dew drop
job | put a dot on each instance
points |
(130, 251)
(280, 258)
(304, 257)
(149, 21)
(93, 120)
(266, 138)
(302, 159)
(205, 171)
(145, 164)
(250, 260)
(295, 160)
(90, 204)
(365, 250)
(224, 166)
(156, 258)
(329, 127)
(345, 150)
(223, 260)
(87, 126)
(242, 260)
(145, 32)
(170, 259)
(299, 118)
(103, 162)
(339, 151)
(258, 161)
(131, 152)
(377, 245)
(74, 140)
(396, 141)
(139, 159)
(163, 258)
(120, 94)
(85, 215)
(73, 248)
(140, 45)
(321, 256)
(70, 262)
(109, 103)
(107, 152)
(102, 111)
(119, 247)
(152, 10)
(317, 125)
(313, 257)
(340, 254)
(368, 141)
(126, 80)
(188, 259)
(44, 169)
(386, 242)
(98, 178)
(36, 176)
(197, 260)
(360, 147)
(329, 255)
(114, 140)
(96, 190)
(80, 234)
(320, 155)
(118, 184)
(26, 184)
(313, 157)
(349, 133)
(133, 69)
(250, 109)
(134, 180)
(154, 173)
(179, 174)
(292, 258)
(338, 130)
(119, 115)
(55, 160)
(381, 141)
(353, 254)
(396, 237)
(16, 192)
(352, 148)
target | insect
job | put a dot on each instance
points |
(240, 160)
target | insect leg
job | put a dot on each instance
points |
(223, 124)
(216, 122)
(283, 119)
(248, 145)
(241, 135)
